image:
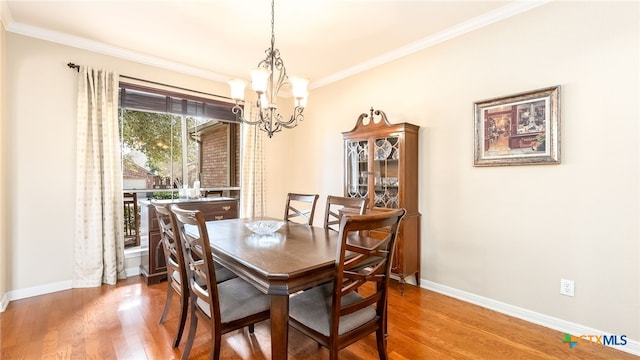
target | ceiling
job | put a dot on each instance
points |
(323, 40)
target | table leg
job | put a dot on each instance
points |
(279, 326)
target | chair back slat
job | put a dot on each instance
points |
(300, 208)
(338, 205)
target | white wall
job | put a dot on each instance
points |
(504, 233)
(508, 233)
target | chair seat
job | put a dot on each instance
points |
(222, 274)
(238, 299)
(312, 308)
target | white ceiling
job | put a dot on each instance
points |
(323, 40)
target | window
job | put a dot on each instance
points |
(170, 139)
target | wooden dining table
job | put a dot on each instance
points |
(293, 258)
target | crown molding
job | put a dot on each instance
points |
(511, 9)
(5, 14)
(98, 47)
(478, 22)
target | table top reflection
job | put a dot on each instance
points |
(294, 257)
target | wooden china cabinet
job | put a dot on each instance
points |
(381, 163)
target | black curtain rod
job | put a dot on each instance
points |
(74, 66)
(77, 68)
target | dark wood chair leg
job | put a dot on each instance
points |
(381, 339)
(192, 333)
(333, 353)
(217, 342)
(184, 308)
(167, 304)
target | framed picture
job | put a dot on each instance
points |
(520, 129)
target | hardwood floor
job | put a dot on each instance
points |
(121, 322)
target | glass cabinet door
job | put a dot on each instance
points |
(358, 168)
(386, 155)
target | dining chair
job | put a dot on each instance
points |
(177, 269)
(335, 314)
(300, 208)
(222, 306)
(337, 205)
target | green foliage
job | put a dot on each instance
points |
(158, 136)
(163, 195)
(155, 135)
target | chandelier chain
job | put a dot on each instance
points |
(273, 32)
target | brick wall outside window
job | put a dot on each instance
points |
(215, 156)
(215, 164)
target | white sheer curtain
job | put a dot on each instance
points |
(99, 233)
(252, 199)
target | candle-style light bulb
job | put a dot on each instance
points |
(237, 89)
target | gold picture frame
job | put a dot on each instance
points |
(520, 129)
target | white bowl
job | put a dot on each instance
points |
(264, 226)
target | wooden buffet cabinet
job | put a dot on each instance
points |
(381, 163)
(153, 265)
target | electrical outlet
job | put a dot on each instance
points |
(567, 287)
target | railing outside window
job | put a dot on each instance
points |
(131, 220)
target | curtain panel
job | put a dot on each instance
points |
(99, 233)
(252, 199)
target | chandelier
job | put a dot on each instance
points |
(267, 80)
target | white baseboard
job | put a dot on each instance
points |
(39, 290)
(48, 288)
(4, 302)
(632, 346)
